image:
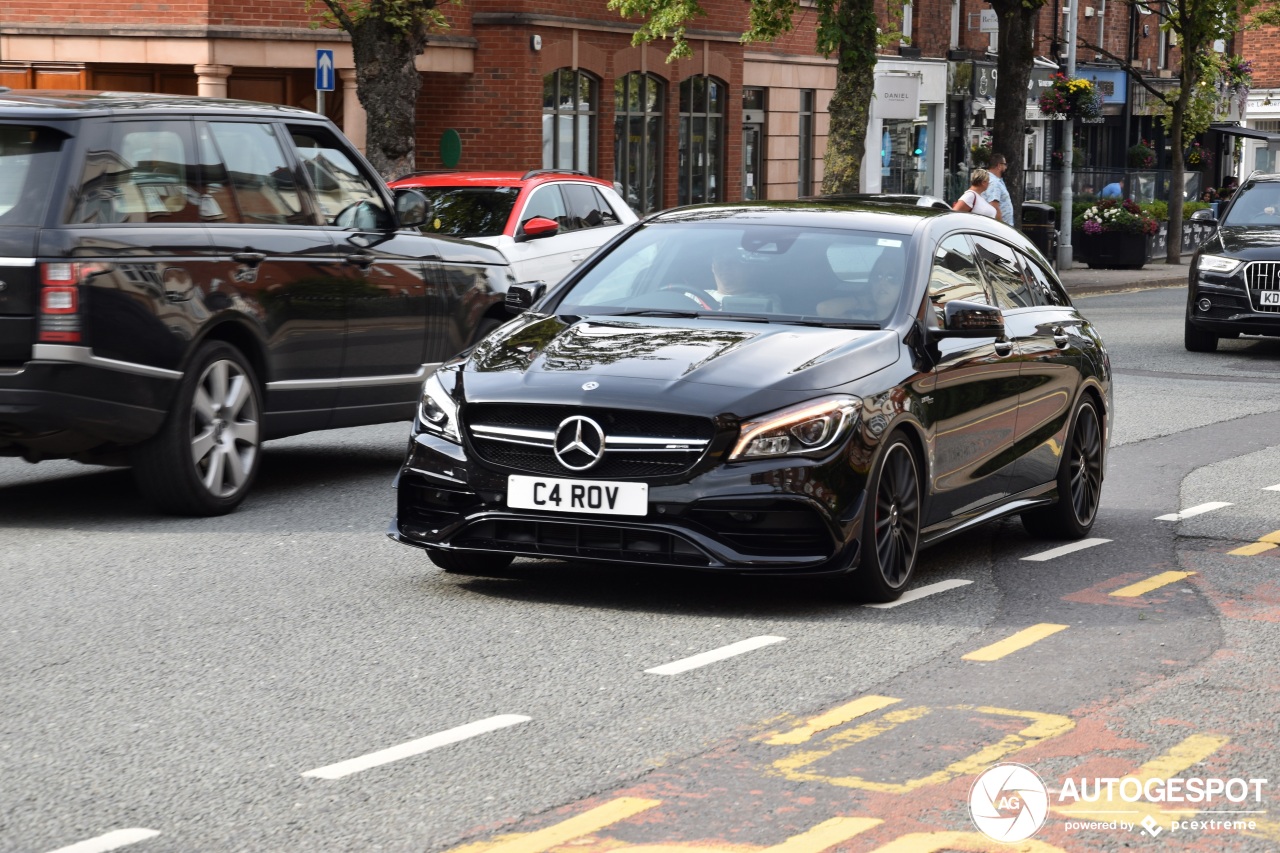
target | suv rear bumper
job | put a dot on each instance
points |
(105, 403)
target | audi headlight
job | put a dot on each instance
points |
(808, 429)
(437, 412)
(1218, 264)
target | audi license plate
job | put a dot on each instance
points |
(1269, 297)
(595, 496)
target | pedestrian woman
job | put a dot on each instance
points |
(972, 200)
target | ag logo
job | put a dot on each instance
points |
(1008, 802)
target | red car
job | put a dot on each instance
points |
(544, 222)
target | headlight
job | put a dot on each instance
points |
(1218, 264)
(437, 412)
(802, 430)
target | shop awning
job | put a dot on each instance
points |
(1269, 136)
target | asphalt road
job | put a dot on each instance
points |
(207, 680)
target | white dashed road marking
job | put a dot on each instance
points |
(1195, 510)
(677, 667)
(921, 592)
(1066, 549)
(416, 747)
(110, 841)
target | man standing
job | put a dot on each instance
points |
(997, 193)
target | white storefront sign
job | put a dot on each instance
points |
(989, 22)
(897, 96)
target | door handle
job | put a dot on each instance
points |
(1060, 337)
(1003, 348)
(250, 258)
(361, 259)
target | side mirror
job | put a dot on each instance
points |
(970, 320)
(1206, 216)
(412, 208)
(538, 226)
(520, 297)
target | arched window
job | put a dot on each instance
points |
(639, 100)
(569, 102)
(702, 103)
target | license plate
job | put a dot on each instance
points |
(1269, 297)
(601, 497)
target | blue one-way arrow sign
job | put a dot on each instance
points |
(324, 71)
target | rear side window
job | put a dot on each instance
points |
(262, 184)
(1041, 286)
(588, 207)
(137, 172)
(28, 160)
(1005, 274)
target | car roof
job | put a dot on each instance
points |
(495, 178)
(53, 103)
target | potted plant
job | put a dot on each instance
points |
(1142, 155)
(1071, 98)
(1199, 158)
(980, 152)
(1113, 234)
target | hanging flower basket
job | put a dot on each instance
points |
(1071, 98)
(1142, 155)
(1199, 158)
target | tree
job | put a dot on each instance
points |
(1013, 75)
(386, 38)
(848, 29)
(1196, 24)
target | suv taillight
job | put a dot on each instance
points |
(60, 302)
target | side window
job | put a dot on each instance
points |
(1000, 263)
(954, 274)
(345, 195)
(1045, 289)
(588, 207)
(138, 172)
(547, 202)
(262, 182)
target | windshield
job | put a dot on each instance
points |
(770, 272)
(1255, 204)
(469, 211)
(28, 160)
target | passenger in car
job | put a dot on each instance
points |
(884, 284)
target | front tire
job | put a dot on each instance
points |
(1079, 482)
(1196, 339)
(890, 525)
(205, 457)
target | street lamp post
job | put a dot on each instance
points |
(1068, 154)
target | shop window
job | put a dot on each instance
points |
(639, 100)
(570, 101)
(701, 166)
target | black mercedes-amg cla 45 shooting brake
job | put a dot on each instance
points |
(770, 388)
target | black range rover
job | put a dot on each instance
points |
(182, 279)
(1234, 285)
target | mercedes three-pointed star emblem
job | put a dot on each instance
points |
(579, 443)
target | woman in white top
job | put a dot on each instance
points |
(972, 200)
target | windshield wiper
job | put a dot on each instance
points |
(655, 312)
(832, 324)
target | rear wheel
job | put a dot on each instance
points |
(470, 562)
(1198, 340)
(890, 525)
(1079, 483)
(205, 457)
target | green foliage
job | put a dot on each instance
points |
(411, 19)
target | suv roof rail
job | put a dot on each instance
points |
(535, 172)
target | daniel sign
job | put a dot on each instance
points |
(897, 96)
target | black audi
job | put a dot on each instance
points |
(767, 388)
(1234, 285)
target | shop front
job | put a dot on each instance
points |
(905, 127)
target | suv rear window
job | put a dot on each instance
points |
(28, 159)
(469, 211)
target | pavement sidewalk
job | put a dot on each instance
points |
(1082, 281)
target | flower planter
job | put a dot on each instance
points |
(1112, 249)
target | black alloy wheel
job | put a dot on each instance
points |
(1079, 482)
(206, 456)
(891, 525)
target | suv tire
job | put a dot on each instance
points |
(1198, 340)
(205, 457)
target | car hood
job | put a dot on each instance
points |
(708, 360)
(1245, 242)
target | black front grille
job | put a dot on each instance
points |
(777, 528)
(584, 541)
(1263, 277)
(536, 456)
